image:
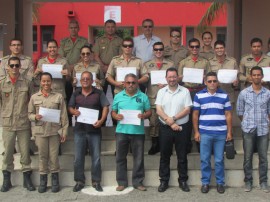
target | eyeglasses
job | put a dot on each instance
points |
(84, 54)
(212, 81)
(127, 45)
(15, 44)
(158, 49)
(85, 79)
(149, 26)
(192, 47)
(176, 36)
(130, 82)
(14, 65)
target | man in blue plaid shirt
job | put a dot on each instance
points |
(253, 108)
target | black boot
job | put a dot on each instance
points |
(6, 182)
(55, 183)
(155, 146)
(43, 183)
(27, 183)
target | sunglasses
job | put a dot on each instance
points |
(149, 26)
(14, 65)
(158, 49)
(130, 82)
(175, 36)
(212, 81)
(84, 54)
(194, 47)
(127, 45)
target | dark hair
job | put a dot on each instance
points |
(73, 21)
(219, 42)
(158, 43)
(210, 74)
(131, 75)
(175, 30)
(207, 32)
(14, 59)
(129, 39)
(16, 39)
(193, 40)
(52, 41)
(110, 21)
(256, 68)
(87, 46)
(46, 74)
(171, 69)
(255, 40)
(148, 20)
(87, 72)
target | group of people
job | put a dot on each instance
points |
(173, 107)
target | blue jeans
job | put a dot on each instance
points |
(122, 145)
(209, 143)
(249, 141)
(81, 139)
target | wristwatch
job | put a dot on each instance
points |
(174, 118)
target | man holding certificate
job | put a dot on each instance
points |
(47, 110)
(226, 69)
(192, 69)
(15, 92)
(130, 108)
(125, 64)
(56, 65)
(90, 107)
(157, 70)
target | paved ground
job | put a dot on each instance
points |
(19, 194)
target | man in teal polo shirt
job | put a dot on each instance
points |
(130, 108)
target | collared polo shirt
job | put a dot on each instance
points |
(94, 100)
(143, 48)
(255, 109)
(174, 102)
(139, 101)
(212, 109)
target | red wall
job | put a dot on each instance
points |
(92, 14)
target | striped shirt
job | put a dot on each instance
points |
(255, 109)
(212, 109)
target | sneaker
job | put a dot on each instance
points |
(220, 188)
(264, 187)
(248, 186)
(120, 188)
(141, 188)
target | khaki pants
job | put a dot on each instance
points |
(154, 124)
(48, 148)
(23, 138)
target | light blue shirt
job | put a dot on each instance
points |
(143, 48)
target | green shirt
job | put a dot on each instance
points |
(139, 101)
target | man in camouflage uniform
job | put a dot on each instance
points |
(27, 67)
(156, 64)
(15, 92)
(106, 47)
(255, 58)
(194, 60)
(175, 51)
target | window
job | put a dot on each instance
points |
(47, 33)
(221, 33)
(34, 38)
(189, 34)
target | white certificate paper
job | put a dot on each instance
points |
(88, 116)
(227, 75)
(266, 73)
(121, 72)
(78, 77)
(130, 117)
(54, 70)
(158, 77)
(50, 115)
(193, 75)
